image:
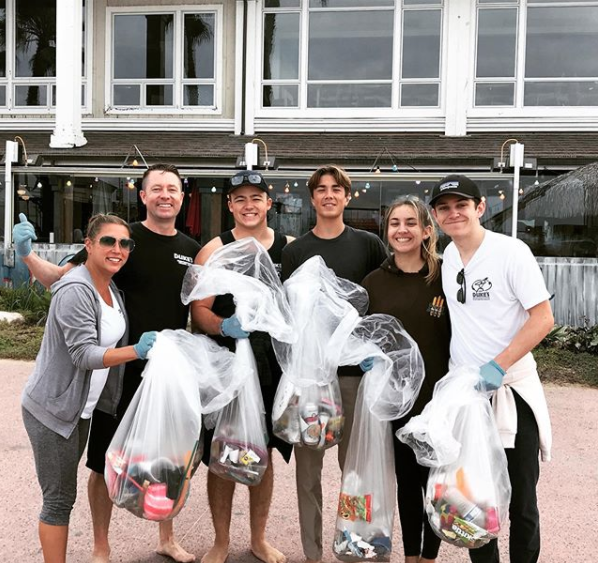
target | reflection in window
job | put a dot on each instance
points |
(147, 65)
(344, 53)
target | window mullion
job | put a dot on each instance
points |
(396, 55)
(303, 53)
(521, 46)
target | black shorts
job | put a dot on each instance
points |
(104, 425)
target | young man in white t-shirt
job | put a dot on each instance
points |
(499, 309)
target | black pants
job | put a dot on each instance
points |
(412, 480)
(524, 471)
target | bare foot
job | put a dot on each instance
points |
(100, 558)
(267, 553)
(173, 550)
(218, 554)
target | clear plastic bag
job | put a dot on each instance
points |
(158, 446)
(367, 499)
(469, 491)
(308, 406)
(239, 446)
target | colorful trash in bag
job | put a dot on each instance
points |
(365, 514)
(243, 269)
(239, 447)
(158, 446)
(312, 416)
(468, 492)
(308, 407)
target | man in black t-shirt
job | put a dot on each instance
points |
(351, 254)
(151, 281)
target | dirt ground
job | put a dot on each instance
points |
(567, 491)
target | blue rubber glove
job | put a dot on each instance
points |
(492, 374)
(22, 235)
(367, 364)
(145, 344)
(232, 327)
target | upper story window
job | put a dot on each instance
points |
(165, 60)
(28, 54)
(536, 53)
(347, 54)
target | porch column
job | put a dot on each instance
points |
(459, 56)
(69, 46)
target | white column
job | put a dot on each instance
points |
(516, 161)
(69, 46)
(459, 45)
(252, 66)
(239, 24)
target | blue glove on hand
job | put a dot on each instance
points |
(232, 327)
(22, 234)
(145, 344)
(492, 374)
(367, 364)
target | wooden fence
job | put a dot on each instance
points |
(574, 282)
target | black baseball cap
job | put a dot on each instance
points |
(247, 178)
(455, 184)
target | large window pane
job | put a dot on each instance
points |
(561, 93)
(421, 44)
(2, 95)
(562, 42)
(143, 46)
(35, 38)
(127, 95)
(350, 45)
(202, 95)
(282, 3)
(349, 3)
(283, 95)
(158, 95)
(281, 46)
(494, 94)
(419, 95)
(31, 95)
(497, 43)
(199, 45)
(2, 38)
(348, 95)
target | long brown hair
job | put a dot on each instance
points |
(424, 218)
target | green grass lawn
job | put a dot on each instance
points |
(19, 341)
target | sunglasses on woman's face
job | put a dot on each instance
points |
(126, 244)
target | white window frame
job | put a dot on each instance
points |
(178, 11)
(564, 116)
(10, 81)
(302, 111)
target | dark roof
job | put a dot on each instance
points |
(305, 150)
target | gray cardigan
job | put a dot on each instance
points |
(57, 390)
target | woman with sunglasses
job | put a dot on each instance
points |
(79, 367)
(408, 286)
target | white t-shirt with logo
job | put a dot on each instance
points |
(503, 280)
(112, 328)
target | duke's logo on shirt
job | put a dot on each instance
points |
(481, 289)
(436, 308)
(183, 260)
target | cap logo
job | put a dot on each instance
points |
(448, 185)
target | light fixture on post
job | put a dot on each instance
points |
(253, 160)
(134, 151)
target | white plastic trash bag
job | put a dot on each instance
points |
(308, 407)
(469, 491)
(367, 499)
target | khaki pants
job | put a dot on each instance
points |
(309, 475)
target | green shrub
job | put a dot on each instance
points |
(32, 301)
(576, 339)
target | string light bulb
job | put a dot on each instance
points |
(69, 183)
(270, 187)
(367, 185)
(296, 185)
(39, 184)
(356, 194)
(377, 171)
(213, 189)
(135, 162)
(287, 188)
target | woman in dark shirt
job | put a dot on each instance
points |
(408, 286)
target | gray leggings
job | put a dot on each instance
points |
(56, 461)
